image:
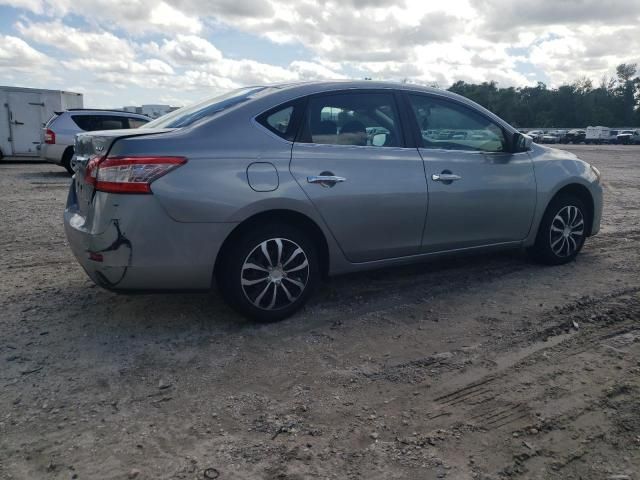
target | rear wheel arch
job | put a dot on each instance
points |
(68, 152)
(287, 217)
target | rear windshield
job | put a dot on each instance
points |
(91, 123)
(186, 116)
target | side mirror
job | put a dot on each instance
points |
(521, 142)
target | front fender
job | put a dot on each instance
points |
(556, 170)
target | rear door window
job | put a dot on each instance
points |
(356, 119)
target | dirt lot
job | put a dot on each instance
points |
(484, 367)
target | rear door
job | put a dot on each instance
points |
(353, 164)
(479, 192)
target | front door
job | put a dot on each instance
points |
(352, 164)
(479, 192)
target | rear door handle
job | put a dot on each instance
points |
(325, 180)
(445, 177)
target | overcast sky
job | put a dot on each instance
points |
(132, 52)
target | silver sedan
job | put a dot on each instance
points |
(266, 190)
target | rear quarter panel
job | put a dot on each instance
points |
(212, 187)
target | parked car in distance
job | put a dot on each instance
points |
(60, 130)
(561, 135)
(536, 135)
(549, 138)
(265, 190)
(576, 136)
(629, 137)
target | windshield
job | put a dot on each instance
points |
(185, 116)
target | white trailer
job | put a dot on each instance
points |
(597, 135)
(23, 113)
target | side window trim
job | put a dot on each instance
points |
(412, 131)
(304, 135)
(406, 120)
(418, 134)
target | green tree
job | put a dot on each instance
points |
(614, 102)
(626, 90)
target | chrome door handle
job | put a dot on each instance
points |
(325, 179)
(445, 177)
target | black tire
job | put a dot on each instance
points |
(66, 160)
(279, 283)
(550, 248)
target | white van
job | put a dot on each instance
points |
(24, 113)
(598, 135)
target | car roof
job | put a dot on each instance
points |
(311, 87)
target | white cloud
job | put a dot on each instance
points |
(185, 50)
(314, 71)
(590, 52)
(506, 15)
(72, 40)
(174, 46)
(150, 66)
(164, 15)
(136, 16)
(17, 54)
(35, 6)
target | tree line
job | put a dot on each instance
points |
(615, 102)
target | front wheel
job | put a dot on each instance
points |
(562, 231)
(269, 273)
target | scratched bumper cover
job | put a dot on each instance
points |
(141, 247)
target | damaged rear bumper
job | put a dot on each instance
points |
(134, 245)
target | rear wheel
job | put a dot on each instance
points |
(562, 231)
(66, 160)
(269, 273)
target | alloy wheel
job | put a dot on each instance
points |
(275, 274)
(567, 230)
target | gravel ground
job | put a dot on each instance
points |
(483, 367)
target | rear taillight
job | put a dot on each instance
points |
(49, 137)
(91, 172)
(129, 174)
